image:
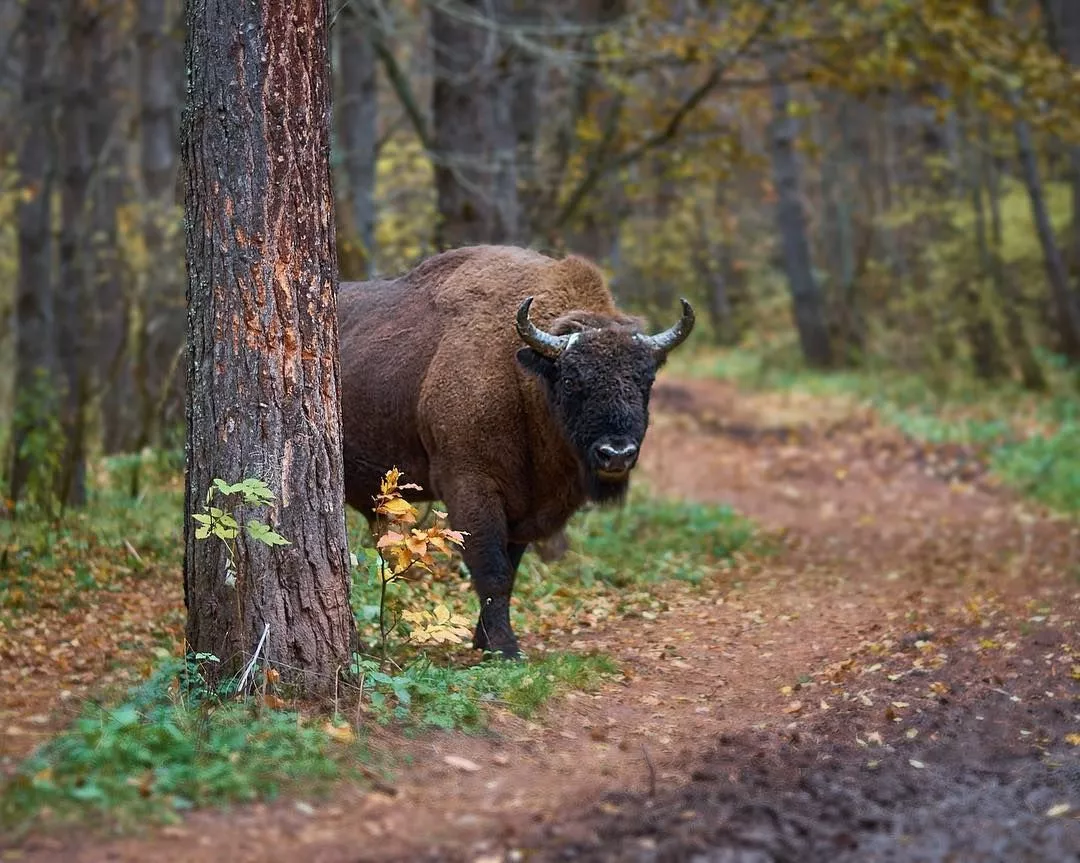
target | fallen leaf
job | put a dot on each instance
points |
(460, 763)
(340, 733)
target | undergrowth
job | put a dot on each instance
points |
(168, 744)
(169, 747)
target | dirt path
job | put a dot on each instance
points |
(915, 635)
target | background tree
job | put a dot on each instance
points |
(935, 145)
(262, 337)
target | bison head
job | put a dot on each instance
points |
(598, 372)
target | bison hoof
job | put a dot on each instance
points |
(509, 652)
(503, 648)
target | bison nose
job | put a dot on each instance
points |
(616, 456)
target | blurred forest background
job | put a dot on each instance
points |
(840, 183)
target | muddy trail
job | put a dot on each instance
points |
(899, 680)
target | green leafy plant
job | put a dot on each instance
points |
(169, 746)
(223, 521)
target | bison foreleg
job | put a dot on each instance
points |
(493, 578)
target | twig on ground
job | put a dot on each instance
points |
(652, 771)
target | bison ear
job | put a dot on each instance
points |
(537, 363)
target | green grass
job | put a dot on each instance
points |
(651, 540)
(449, 697)
(61, 563)
(1045, 467)
(160, 752)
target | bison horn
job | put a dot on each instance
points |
(543, 343)
(671, 338)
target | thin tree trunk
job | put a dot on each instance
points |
(35, 345)
(986, 353)
(357, 114)
(159, 298)
(1065, 300)
(1031, 373)
(1063, 30)
(807, 300)
(74, 258)
(108, 311)
(264, 383)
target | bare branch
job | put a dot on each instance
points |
(601, 165)
(404, 91)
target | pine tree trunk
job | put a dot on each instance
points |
(807, 300)
(262, 337)
(35, 344)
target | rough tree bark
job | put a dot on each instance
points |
(35, 345)
(807, 300)
(263, 379)
(357, 122)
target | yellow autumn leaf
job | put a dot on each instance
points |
(340, 733)
(397, 507)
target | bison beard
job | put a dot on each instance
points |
(513, 421)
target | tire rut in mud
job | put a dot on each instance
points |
(995, 779)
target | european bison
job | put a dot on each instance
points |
(513, 438)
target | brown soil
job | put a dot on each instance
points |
(899, 682)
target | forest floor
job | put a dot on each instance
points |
(899, 681)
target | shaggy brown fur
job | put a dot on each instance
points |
(431, 383)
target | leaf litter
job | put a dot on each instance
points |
(895, 604)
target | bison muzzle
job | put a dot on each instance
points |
(509, 386)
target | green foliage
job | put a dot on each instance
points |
(651, 540)
(40, 443)
(448, 697)
(168, 747)
(64, 563)
(1045, 467)
(224, 524)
